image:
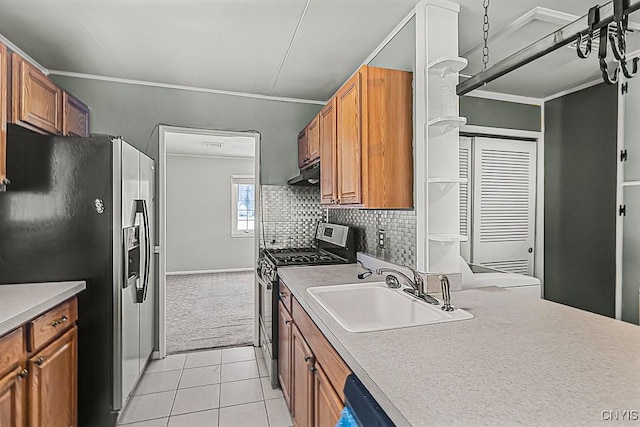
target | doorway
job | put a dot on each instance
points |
(498, 203)
(209, 181)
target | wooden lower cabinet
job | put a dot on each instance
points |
(52, 383)
(284, 352)
(302, 367)
(38, 381)
(327, 403)
(12, 398)
(311, 373)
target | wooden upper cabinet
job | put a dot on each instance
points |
(12, 398)
(302, 361)
(327, 126)
(374, 156)
(302, 148)
(313, 141)
(284, 352)
(53, 383)
(75, 116)
(349, 142)
(36, 100)
(327, 403)
(4, 96)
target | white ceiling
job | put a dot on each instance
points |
(206, 144)
(301, 49)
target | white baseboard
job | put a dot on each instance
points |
(223, 270)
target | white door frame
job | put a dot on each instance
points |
(162, 221)
(538, 262)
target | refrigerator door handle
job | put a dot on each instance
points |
(141, 293)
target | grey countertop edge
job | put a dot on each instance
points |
(42, 306)
(380, 397)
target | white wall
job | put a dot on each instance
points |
(199, 214)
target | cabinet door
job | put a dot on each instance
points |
(75, 116)
(36, 101)
(52, 383)
(349, 142)
(4, 80)
(302, 362)
(12, 399)
(328, 406)
(284, 352)
(302, 148)
(327, 126)
(313, 141)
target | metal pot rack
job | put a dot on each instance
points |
(598, 19)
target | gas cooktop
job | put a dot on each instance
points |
(302, 256)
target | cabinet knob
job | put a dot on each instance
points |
(307, 358)
(23, 374)
(286, 322)
(313, 369)
(40, 361)
(59, 321)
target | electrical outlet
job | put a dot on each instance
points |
(382, 238)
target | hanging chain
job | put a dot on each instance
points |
(485, 28)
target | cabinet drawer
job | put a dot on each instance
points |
(285, 296)
(11, 350)
(51, 324)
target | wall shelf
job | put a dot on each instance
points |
(443, 124)
(447, 65)
(447, 238)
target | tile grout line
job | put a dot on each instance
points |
(175, 395)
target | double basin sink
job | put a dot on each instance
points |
(367, 307)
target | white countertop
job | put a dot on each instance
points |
(21, 303)
(520, 360)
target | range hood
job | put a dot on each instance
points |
(309, 176)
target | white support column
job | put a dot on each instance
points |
(420, 138)
(438, 173)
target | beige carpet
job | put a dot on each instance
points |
(209, 310)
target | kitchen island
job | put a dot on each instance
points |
(520, 360)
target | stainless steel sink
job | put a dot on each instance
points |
(366, 307)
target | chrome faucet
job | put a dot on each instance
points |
(446, 296)
(417, 284)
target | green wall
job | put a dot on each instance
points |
(500, 114)
(133, 111)
(580, 199)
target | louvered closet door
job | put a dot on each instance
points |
(465, 196)
(504, 204)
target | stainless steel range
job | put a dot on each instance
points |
(335, 244)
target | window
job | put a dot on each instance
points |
(242, 205)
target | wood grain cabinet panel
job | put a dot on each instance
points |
(284, 352)
(75, 116)
(302, 148)
(327, 403)
(11, 350)
(51, 324)
(12, 399)
(36, 100)
(349, 143)
(313, 141)
(4, 96)
(53, 383)
(302, 361)
(328, 178)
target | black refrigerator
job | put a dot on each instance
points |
(82, 209)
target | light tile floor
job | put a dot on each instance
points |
(210, 388)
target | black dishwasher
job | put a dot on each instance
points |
(363, 406)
